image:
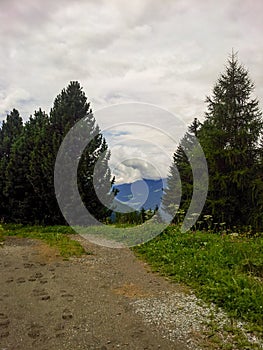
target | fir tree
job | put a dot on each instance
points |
(28, 156)
(230, 137)
(26, 203)
(180, 179)
(71, 106)
(9, 133)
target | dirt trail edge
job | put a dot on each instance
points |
(47, 303)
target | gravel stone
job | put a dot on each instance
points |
(182, 316)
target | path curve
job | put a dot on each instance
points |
(47, 303)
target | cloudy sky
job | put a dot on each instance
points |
(162, 52)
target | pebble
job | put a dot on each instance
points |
(178, 315)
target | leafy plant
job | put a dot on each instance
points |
(225, 270)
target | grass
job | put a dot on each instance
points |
(55, 236)
(225, 270)
(126, 234)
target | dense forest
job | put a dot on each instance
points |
(230, 135)
(27, 159)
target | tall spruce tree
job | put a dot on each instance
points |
(230, 138)
(71, 106)
(25, 203)
(9, 133)
(38, 165)
(180, 179)
(28, 156)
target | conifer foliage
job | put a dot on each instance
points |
(180, 180)
(28, 154)
(230, 138)
(10, 131)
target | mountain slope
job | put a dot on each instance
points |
(146, 193)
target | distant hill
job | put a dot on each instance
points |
(144, 193)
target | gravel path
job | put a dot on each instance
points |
(85, 303)
(107, 300)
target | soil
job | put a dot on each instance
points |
(84, 303)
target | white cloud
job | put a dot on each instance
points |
(15, 97)
(167, 53)
(142, 139)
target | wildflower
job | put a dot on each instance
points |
(234, 234)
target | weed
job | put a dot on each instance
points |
(55, 236)
(225, 270)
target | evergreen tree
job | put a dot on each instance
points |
(180, 179)
(71, 106)
(9, 132)
(230, 137)
(143, 215)
(25, 203)
(39, 163)
(28, 156)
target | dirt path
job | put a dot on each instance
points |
(85, 303)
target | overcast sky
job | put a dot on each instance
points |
(163, 52)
